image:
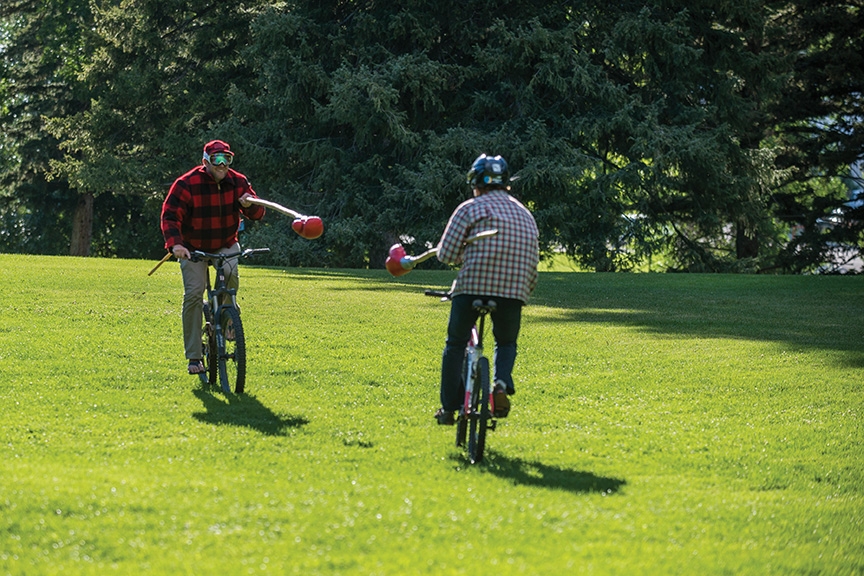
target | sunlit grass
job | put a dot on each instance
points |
(662, 424)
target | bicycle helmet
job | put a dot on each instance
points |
(489, 172)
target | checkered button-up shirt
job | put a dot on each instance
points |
(203, 214)
(504, 265)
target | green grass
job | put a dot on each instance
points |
(663, 424)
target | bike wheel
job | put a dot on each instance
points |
(462, 418)
(479, 417)
(208, 347)
(461, 428)
(232, 353)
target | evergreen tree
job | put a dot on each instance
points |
(821, 129)
(41, 56)
(158, 79)
(103, 104)
(708, 129)
(634, 127)
(370, 115)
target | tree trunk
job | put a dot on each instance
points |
(82, 226)
(746, 242)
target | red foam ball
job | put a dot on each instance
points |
(397, 252)
(313, 228)
(309, 227)
(394, 260)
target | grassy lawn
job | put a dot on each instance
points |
(663, 424)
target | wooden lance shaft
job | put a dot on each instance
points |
(162, 261)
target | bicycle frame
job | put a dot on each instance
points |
(215, 295)
(475, 416)
(220, 311)
(473, 353)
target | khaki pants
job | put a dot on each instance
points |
(194, 285)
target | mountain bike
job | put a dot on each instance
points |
(222, 336)
(475, 415)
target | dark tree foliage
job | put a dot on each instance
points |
(111, 101)
(369, 114)
(158, 80)
(634, 127)
(783, 80)
(40, 58)
(821, 126)
(707, 71)
(701, 131)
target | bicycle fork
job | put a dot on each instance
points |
(219, 299)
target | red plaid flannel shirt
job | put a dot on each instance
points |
(504, 265)
(202, 214)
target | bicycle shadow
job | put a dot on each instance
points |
(525, 473)
(244, 410)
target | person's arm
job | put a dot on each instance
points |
(174, 210)
(451, 247)
(245, 191)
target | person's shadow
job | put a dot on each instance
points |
(525, 473)
(243, 410)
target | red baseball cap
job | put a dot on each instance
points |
(216, 146)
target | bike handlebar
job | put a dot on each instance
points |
(483, 304)
(197, 255)
(439, 294)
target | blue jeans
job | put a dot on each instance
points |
(506, 321)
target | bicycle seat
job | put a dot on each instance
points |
(485, 305)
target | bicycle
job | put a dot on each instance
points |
(476, 414)
(222, 336)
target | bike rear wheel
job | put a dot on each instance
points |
(232, 353)
(478, 419)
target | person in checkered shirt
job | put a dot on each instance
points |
(202, 211)
(503, 267)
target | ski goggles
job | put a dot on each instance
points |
(219, 158)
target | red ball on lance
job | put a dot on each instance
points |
(394, 260)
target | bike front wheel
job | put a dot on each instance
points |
(478, 419)
(208, 347)
(232, 352)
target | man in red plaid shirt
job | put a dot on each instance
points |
(202, 212)
(503, 267)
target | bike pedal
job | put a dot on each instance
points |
(491, 424)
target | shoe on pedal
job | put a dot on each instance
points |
(196, 367)
(445, 417)
(501, 401)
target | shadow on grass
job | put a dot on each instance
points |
(243, 410)
(524, 473)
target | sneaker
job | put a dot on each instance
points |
(502, 402)
(445, 417)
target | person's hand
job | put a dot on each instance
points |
(180, 252)
(244, 200)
